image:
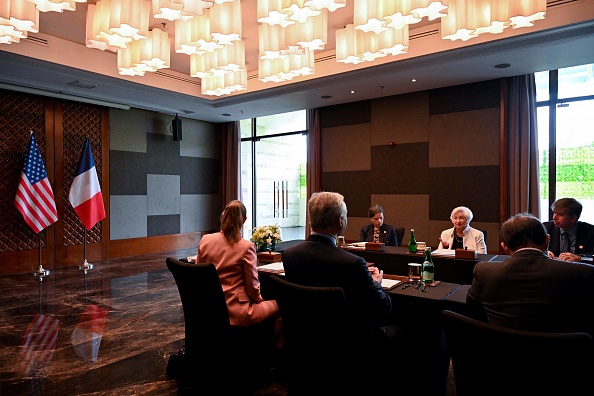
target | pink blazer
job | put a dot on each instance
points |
(238, 271)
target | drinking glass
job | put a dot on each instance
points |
(414, 272)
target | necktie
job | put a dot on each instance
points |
(564, 242)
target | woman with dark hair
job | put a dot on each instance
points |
(378, 231)
(236, 263)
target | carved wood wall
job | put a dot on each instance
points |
(60, 129)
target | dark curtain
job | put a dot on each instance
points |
(231, 146)
(314, 148)
(520, 174)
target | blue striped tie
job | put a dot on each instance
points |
(564, 242)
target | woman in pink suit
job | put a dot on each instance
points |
(236, 262)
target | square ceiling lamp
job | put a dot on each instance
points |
(117, 23)
(149, 54)
(289, 33)
(181, 9)
(17, 18)
(56, 5)
(467, 19)
(217, 53)
(378, 15)
(355, 46)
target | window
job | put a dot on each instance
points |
(565, 113)
(273, 172)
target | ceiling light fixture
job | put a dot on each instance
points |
(17, 19)
(467, 19)
(56, 5)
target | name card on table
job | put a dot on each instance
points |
(466, 254)
(375, 246)
(270, 257)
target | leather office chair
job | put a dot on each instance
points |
(400, 235)
(494, 360)
(323, 343)
(213, 346)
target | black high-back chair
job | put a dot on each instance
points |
(494, 360)
(400, 235)
(324, 346)
(215, 350)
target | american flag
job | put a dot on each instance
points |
(39, 343)
(35, 198)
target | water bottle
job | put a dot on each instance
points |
(428, 268)
(412, 242)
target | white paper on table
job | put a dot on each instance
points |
(444, 252)
(278, 266)
(389, 283)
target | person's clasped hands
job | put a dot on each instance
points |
(376, 273)
(565, 256)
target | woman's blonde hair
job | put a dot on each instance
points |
(232, 220)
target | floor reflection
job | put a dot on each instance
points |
(109, 331)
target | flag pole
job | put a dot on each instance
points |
(41, 272)
(86, 265)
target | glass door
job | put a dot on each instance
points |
(273, 173)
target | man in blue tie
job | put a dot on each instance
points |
(570, 238)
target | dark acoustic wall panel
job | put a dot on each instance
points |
(19, 115)
(200, 175)
(346, 114)
(128, 173)
(476, 187)
(354, 185)
(163, 225)
(475, 96)
(400, 169)
(162, 155)
(456, 129)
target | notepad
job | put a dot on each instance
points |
(443, 252)
(390, 283)
(272, 267)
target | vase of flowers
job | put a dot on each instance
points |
(266, 237)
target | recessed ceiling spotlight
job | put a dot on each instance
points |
(226, 114)
(352, 92)
(502, 66)
(326, 97)
(414, 80)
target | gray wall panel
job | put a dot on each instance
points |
(127, 173)
(163, 194)
(200, 175)
(162, 225)
(127, 216)
(162, 155)
(200, 212)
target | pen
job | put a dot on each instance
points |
(406, 286)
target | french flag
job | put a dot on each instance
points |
(85, 192)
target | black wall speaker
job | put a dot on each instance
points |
(176, 128)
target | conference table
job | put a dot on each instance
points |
(418, 313)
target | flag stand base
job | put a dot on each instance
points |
(41, 273)
(86, 266)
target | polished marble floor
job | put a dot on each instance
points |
(107, 332)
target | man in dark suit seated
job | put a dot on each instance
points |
(570, 237)
(317, 261)
(378, 231)
(531, 291)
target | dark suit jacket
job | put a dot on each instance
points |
(318, 262)
(533, 292)
(584, 240)
(387, 235)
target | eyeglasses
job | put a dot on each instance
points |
(420, 286)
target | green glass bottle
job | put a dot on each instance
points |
(428, 268)
(412, 242)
